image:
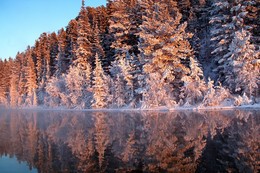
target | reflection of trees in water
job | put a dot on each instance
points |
(123, 142)
(250, 135)
(234, 148)
(175, 141)
(102, 133)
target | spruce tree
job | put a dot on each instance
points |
(227, 18)
(244, 63)
(165, 51)
(31, 79)
(22, 80)
(101, 93)
(71, 43)
(14, 81)
(61, 64)
(5, 76)
(84, 49)
(123, 72)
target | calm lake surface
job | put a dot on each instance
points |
(75, 141)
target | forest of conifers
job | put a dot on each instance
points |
(142, 54)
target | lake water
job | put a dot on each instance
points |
(75, 141)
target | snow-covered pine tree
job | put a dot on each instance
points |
(125, 18)
(71, 43)
(60, 65)
(22, 80)
(101, 19)
(227, 18)
(54, 51)
(198, 24)
(84, 56)
(118, 89)
(57, 93)
(221, 34)
(216, 95)
(92, 15)
(42, 53)
(118, 92)
(136, 72)
(74, 83)
(123, 72)
(77, 89)
(14, 81)
(100, 89)
(244, 62)
(165, 51)
(124, 22)
(194, 87)
(78, 79)
(31, 80)
(45, 56)
(252, 21)
(84, 49)
(96, 42)
(5, 73)
(39, 61)
(107, 38)
(118, 24)
(130, 72)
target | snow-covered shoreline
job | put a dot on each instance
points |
(160, 109)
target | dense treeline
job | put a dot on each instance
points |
(145, 54)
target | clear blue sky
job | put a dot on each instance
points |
(22, 21)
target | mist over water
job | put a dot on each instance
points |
(76, 141)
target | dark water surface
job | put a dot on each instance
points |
(68, 141)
